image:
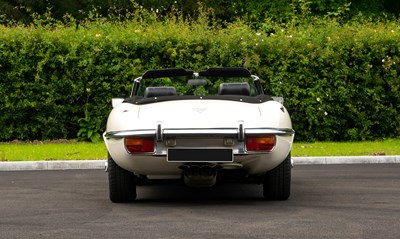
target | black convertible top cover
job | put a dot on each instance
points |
(137, 100)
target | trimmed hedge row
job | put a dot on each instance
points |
(339, 82)
(254, 11)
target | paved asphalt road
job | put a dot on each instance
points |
(328, 201)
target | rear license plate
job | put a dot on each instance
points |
(200, 155)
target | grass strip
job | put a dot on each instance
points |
(52, 151)
(364, 148)
(39, 151)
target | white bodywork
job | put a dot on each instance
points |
(198, 123)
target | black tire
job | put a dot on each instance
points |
(277, 181)
(122, 183)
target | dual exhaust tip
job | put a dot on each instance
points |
(204, 175)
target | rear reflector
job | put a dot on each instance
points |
(260, 143)
(139, 145)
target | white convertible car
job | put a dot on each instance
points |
(202, 128)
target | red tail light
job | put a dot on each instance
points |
(139, 145)
(260, 143)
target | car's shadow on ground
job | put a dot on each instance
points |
(222, 193)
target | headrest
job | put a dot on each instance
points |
(234, 89)
(159, 91)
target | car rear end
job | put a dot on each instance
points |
(200, 131)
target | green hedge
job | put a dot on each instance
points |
(339, 82)
(254, 11)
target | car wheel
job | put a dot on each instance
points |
(122, 183)
(277, 181)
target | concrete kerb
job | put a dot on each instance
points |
(52, 165)
(100, 164)
(346, 160)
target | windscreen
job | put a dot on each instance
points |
(209, 86)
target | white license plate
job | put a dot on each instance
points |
(200, 155)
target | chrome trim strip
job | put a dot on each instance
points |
(177, 132)
(174, 132)
(275, 131)
(126, 133)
